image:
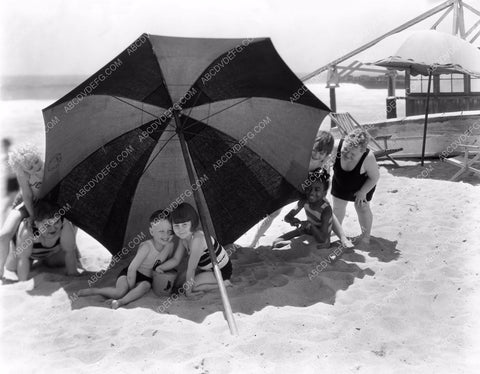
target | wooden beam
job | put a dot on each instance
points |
(475, 37)
(362, 69)
(461, 20)
(455, 20)
(472, 28)
(471, 8)
(434, 27)
(402, 27)
(348, 69)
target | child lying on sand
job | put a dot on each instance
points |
(186, 225)
(319, 214)
(50, 239)
(135, 280)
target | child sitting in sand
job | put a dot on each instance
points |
(186, 225)
(319, 214)
(135, 280)
(320, 162)
(25, 160)
(355, 175)
(49, 240)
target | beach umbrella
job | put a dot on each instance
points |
(220, 123)
(427, 52)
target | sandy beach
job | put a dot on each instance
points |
(408, 304)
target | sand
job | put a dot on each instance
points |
(408, 304)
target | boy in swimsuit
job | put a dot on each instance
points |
(319, 215)
(50, 240)
(28, 166)
(186, 225)
(355, 175)
(135, 280)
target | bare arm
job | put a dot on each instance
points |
(26, 190)
(135, 264)
(371, 168)
(69, 246)
(24, 250)
(196, 250)
(290, 217)
(175, 260)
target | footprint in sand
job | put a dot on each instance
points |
(279, 280)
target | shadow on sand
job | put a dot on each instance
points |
(300, 276)
(433, 169)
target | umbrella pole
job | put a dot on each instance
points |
(203, 219)
(426, 114)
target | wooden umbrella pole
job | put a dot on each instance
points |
(203, 219)
(426, 114)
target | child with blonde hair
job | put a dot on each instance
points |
(26, 162)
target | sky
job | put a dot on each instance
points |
(77, 37)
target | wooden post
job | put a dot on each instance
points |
(426, 114)
(391, 99)
(198, 194)
(333, 100)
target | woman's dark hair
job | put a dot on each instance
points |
(184, 213)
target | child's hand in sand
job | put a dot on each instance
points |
(346, 243)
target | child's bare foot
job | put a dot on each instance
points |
(227, 283)
(85, 292)
(116, 304)
(346, 243)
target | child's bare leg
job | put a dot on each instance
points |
(206, 281)
(6, 234)
(365, 218)
(120, 289)
(135, 293)
(285, 239)
(339, 208)
(266, 223)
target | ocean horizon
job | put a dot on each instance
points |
(22, 99)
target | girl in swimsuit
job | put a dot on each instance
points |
(186, 226)
(355, 175)
(25, 160)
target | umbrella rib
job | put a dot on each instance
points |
(220, 111)
(154, 157)
(143, 110)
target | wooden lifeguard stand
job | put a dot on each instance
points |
(463, 94)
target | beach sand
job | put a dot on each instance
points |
(408, 304)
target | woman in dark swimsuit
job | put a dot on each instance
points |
(355, 175)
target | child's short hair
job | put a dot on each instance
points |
(21, 155)
(357, 138)
(158, 215)
(44, 209)
(319, 175)
(324, 142)
(184, 213)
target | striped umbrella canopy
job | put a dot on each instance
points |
(171, 117)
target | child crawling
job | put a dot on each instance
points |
(318, 211)
(135, 280)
